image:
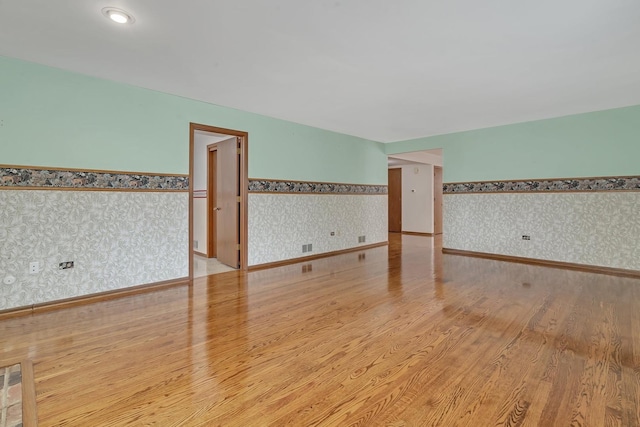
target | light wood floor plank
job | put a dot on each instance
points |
(397, 336)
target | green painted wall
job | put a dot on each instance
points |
(604, 143)
(55, 118)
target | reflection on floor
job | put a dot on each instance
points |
(206, 266)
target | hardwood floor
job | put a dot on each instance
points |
(398, 336)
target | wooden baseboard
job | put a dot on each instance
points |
(201, 254)
(318, 256)
(546, 263)
(91, 298)
(16, 312)
(415, 233)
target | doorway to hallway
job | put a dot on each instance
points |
(415, 192)
(218, 196)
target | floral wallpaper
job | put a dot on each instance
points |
(116, 240)
(593, 228)
(625, 183)
(279, 224)
(274, 186)
(45, 178)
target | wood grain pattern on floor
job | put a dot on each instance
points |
(397, 336)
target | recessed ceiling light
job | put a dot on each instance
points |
(118, 15)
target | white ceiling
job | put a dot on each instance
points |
(379, 69)
(206, 138)
(429, 157)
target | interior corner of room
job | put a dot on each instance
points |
(295, 207)
(320, 213)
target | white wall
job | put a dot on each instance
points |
(116, 239)
(200, 143)
(279, 224)
(425, 157)
(200, 218)
(417, 198)
(599, 228)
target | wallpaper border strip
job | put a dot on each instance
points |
(17, 177)
(612, 183)
(305, 187)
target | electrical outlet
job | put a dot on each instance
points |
(195, 244)
(526, 237)
(362, 239)
(65, 265)
(333, 233)
(34, 267)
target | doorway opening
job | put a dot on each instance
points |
(218, 176)
(415, 192)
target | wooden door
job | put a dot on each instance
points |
(212, 201)
(395, 200)
(437, 200)
(228, 202)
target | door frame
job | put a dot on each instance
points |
(244, 187)
(389, 196)
(437, 199)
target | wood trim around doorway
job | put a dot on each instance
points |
(394, 201)
(437, 200)
(244, 185)
(415, 233)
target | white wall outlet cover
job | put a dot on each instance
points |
(9, 280)
(34, 267)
